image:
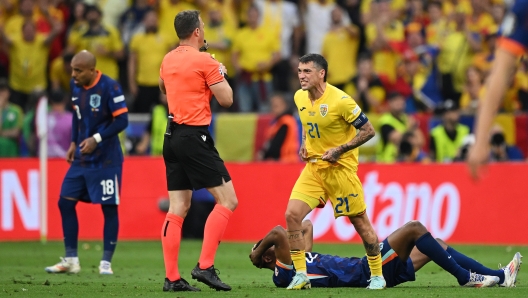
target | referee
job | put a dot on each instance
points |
(190, 78)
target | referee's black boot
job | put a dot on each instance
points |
(178, 286)
(209, 277)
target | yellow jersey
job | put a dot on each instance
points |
(340, 50)
(57, 73)
(328, 124)
(27, 64)
(109, 40)
(150, 49)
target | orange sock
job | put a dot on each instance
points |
(170, 241)
(214, 230)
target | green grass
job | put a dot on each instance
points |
(139, 271)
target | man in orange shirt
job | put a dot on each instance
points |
(190, 78)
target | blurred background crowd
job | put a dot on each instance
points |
(416, 67)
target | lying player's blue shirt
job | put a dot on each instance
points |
(327, 271)
(95, 108)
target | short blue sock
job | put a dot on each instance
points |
(70, 226)
(431, 248)
(111, 227)
(474, 266)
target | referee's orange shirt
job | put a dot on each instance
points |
(187, 74)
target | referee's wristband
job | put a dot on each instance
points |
(225, 76)
(97, 137)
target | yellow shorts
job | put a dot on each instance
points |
(341, 185)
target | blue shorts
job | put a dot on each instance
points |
(98, 186)
(395, 271)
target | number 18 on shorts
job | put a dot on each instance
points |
(98, 186)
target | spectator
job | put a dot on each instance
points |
(417, 14)
(283, 17)
(498, 11)
(59, 125)
(455, 56)
(473, 91)
(102, 40)
(366, 88)
(79, 25)
(410, 150)
(384, 36)
(255, 52)
(60, 72)
(282, 137)
(132, 20)
(483, 59)
(340, 47)
(26, 12)
(146, 53)
(437, 29)
(7, 9)
(11, 117)
(446, 138)
(112, 10)
(168, 9)
(317, 22)
(500, 150)
(393, 125)
(28, 56)
(220, 35)
(155, 131)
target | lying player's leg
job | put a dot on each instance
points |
(306, 195)
(413, 234)
(506, 274)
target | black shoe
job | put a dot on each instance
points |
(209, 277)
(178, 286)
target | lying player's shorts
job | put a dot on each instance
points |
(319, 182)
(395, 271)
(98, 186)
(191, 159)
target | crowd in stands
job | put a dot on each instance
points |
(396, 58)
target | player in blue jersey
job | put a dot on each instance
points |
(511, 46)
(404, 252)
(96, 159)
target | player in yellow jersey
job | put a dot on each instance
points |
(333, 128)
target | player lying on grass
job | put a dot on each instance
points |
(404, 252)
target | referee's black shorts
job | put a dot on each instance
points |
(191, 159)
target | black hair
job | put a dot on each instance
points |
(318, 60)
(90, 8)
(186, 22)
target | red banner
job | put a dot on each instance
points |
(443, 197)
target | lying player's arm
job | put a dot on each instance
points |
(365, 132)
(276, 237)
(307, 229)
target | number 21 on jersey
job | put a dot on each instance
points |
(313, 132)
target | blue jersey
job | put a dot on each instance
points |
(95, 108)
(327, 271)
(515, 28)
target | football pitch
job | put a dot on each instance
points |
(139, 272)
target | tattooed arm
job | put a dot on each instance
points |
(365, 133)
